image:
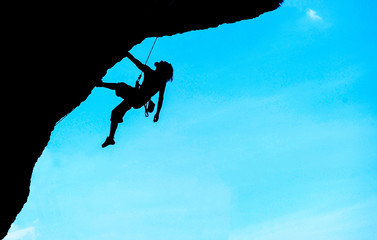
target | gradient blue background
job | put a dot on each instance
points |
(268, 131)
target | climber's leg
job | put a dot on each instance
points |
(112, 86)
(118, 112)
(110, 139)
(116, 118)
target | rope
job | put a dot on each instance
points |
(150, 52)
(61, 119)
(141, 74)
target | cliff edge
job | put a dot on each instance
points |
(54, 53)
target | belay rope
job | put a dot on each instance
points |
(149, 106)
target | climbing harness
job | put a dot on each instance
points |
(149, 106)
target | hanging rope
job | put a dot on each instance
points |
(150, 52)
(61, 119)
(154, 43)
(149, 106)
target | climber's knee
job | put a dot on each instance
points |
(116, 117)
(118, 112)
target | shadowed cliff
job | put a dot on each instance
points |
(54, 54)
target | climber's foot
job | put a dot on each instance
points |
(109, 141)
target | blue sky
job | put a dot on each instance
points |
(268, 131)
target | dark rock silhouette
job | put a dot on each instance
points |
(140, 95)
(49, 48)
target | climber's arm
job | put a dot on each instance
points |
(138, 64)
(159, 105)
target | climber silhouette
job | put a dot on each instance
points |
(135, 97)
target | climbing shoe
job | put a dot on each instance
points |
(109, 141)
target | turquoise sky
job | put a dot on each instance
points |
(268, 131)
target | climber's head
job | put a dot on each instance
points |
(165, 69)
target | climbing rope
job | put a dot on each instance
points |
(149, 106)
(61, 119)
(150, 52)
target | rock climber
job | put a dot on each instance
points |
(136, 97)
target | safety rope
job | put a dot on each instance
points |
(150, 52)
(141, 74)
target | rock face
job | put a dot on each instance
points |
(54, 53)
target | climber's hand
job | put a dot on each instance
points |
(156, 117)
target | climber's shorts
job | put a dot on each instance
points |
(124, 90)
(118, 112)
(132, 98)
